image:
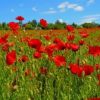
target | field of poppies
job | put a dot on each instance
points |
(49, 64)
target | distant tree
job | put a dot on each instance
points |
(74, 25)
(5, 26)
(57, 22)
(29, 26)
(50, 26)
(1, 27)
(59, 25)
(34, 22)
(90, 25)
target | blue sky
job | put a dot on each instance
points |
(78, 11)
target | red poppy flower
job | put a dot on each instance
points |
(94, 50)
(81, 42)
(20, 18)
(14, 27)
(70, 28)
(37, 54)
(43, 23)
(11, 57)
(74, 47)
(76, 69)
(59, 61)
(43, 70)
(88, 69)
(84, 34)
(34, 43)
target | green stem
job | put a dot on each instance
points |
(54, 86)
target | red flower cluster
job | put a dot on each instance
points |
(94, 50)
(14, 27)
(5, 47)
(20, 18)
(50, 49)
(75, 69)
(70, 28)
(3, 39)
(84, 34)
(43, 23)
(11, 57)
(60, 45)
(78, 70)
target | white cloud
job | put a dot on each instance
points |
(61, 20)
(78, 8)
(12, 10)
(90, 18)
(63, 5)
(34, 9)
(68, 5)
(50, 11)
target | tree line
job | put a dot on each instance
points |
(31, 25)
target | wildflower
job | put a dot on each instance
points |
(37, 54)
(34, 43)
(74, 47)
(69, 28)
(84, 34)
(43, 23)
(20, 18)
(59, 61)
(11, 57)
